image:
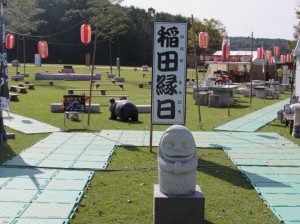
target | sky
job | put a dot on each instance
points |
(265, 18)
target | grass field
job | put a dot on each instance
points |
(124, 193)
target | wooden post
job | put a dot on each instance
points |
(151, 137)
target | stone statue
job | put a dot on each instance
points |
(177, 161)
(123, 109)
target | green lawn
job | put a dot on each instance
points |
(125, 193)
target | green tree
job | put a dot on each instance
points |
(297, 27)
(21, 16)
(216, 31)
(21, 19)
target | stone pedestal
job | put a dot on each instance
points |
(203, 98)
(247, 93)
(281, 88)
(260, 92)
(188, 209)
(200, 89)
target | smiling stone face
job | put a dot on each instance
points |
(177, 144)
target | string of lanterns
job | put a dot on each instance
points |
(268, 55)
(85, 37)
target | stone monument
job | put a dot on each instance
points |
(177, 198)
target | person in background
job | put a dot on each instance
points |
(279, 74)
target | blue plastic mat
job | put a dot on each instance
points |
(67, 150)
(39, 221)
(33, 195)
(28, 125)
(253, 121)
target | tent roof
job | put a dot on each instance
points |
(239, 53)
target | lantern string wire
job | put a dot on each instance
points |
(69, 44)
(45, 36)
(38, 37)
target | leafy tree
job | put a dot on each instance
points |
(21, 16)
(21, 19)
(297, 27)
(139, 38)
(216, 31)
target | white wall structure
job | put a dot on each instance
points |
(297, 74)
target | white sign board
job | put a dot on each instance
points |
(169, 73)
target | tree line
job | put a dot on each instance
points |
(122, 32)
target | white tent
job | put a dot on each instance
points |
(223, 66)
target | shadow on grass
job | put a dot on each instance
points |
(6, 152)
(273, 124)
(239, 106)
(129, 121)
(225, 173)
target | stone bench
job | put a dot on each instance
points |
(246, 92)
(16, 88)
(124, 97)
(97, 85)
(30, 86)
(87, 91)
(119, 79)
(58, 108)
(17, 77)
(240, 91)
(141, 85)
(14, 97)
(289, 120)
(67, 69)
(24, 74)
(111, 76)
(144, 108)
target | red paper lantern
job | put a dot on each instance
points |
(276, 50)
(268, 55)
(282, 59)
(260, 52)
(85, 33)
(203, 40)
(226, 50)
(288, 58)
(10, 41)
(43, 49)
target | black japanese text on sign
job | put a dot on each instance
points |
(169, 73)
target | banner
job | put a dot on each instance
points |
(4, 91)
(169, 73)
